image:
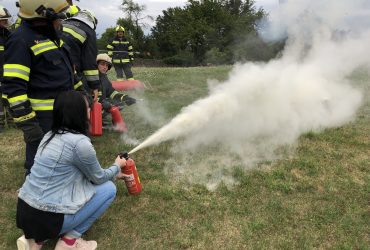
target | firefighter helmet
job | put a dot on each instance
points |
(29, 9)
(120, 28)
(104, 57)
(73, 9)
(87, 17)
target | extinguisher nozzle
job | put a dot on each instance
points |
(124, 155)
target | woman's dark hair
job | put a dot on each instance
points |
(69, 114)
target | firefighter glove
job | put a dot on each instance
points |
(128, 100)
(31, 130)
(106, 105)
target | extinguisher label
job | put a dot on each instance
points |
(130, 180)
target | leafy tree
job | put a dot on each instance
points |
(208, 29)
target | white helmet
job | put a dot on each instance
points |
(87, 17)
(29, 9)
(104, 57)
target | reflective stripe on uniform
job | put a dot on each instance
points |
(17, 70)
(1, 48)
(25, 117)
(91, 75)
(120, 42)
(75, 32)
(130, 47)
(42, 47)
(16, 100)
(4, 96)
(42, 104)
(114, 93)
(77, 85)
(109, 46)
(110, 53)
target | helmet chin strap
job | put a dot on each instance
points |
(49, 13)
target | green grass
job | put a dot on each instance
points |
(316, 199)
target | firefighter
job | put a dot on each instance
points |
(79, 34)
(4, 33)
(36, 68)
(108, 96)
(122, 54)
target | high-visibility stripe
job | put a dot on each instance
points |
(17, 70)
(91, 75)
(17, 100)
(120, 42)
(92, 78)
(91, 72)
(42, 104)
(125, 60)
(130, 79)
(42, 47)
(130, 47)
(4, 96)
(114, 93)
(110, 53)
(25, 117)
(2, 48)
(109, 46)
(75, 32)
(77, 85)
(130, 53)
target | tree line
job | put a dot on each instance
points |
(206, 32)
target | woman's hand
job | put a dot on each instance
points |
(121, 162)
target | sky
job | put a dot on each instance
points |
(107, 12)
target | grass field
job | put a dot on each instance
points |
(316, 199)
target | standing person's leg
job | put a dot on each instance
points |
(75, 225)
(2, 114)
(128, 72)
(45, 119)
(118, 69)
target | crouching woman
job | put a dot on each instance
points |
(67, 190)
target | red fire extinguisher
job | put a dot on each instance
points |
(117, 119)
(133, 183)
(96, 125)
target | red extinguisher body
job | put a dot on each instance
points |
(117, 119)
(133, 183)
(96, 125)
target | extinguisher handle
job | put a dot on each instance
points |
(124, 155)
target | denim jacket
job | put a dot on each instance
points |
(64, 173)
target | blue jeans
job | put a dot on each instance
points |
(75, 225)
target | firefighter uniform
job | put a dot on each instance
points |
(121, 51)
(81, 39)
(4, 114)
(37, 67)
(108, 96)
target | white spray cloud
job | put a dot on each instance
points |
(263, 106)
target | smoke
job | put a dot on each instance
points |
(264, 107)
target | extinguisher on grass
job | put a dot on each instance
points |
(132, 181)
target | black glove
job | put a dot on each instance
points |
(129, 100)
(106, 105)
(31, 130)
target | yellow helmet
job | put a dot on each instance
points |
(106, 58)
(73, 9)
(29, 9)
(120, 28)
